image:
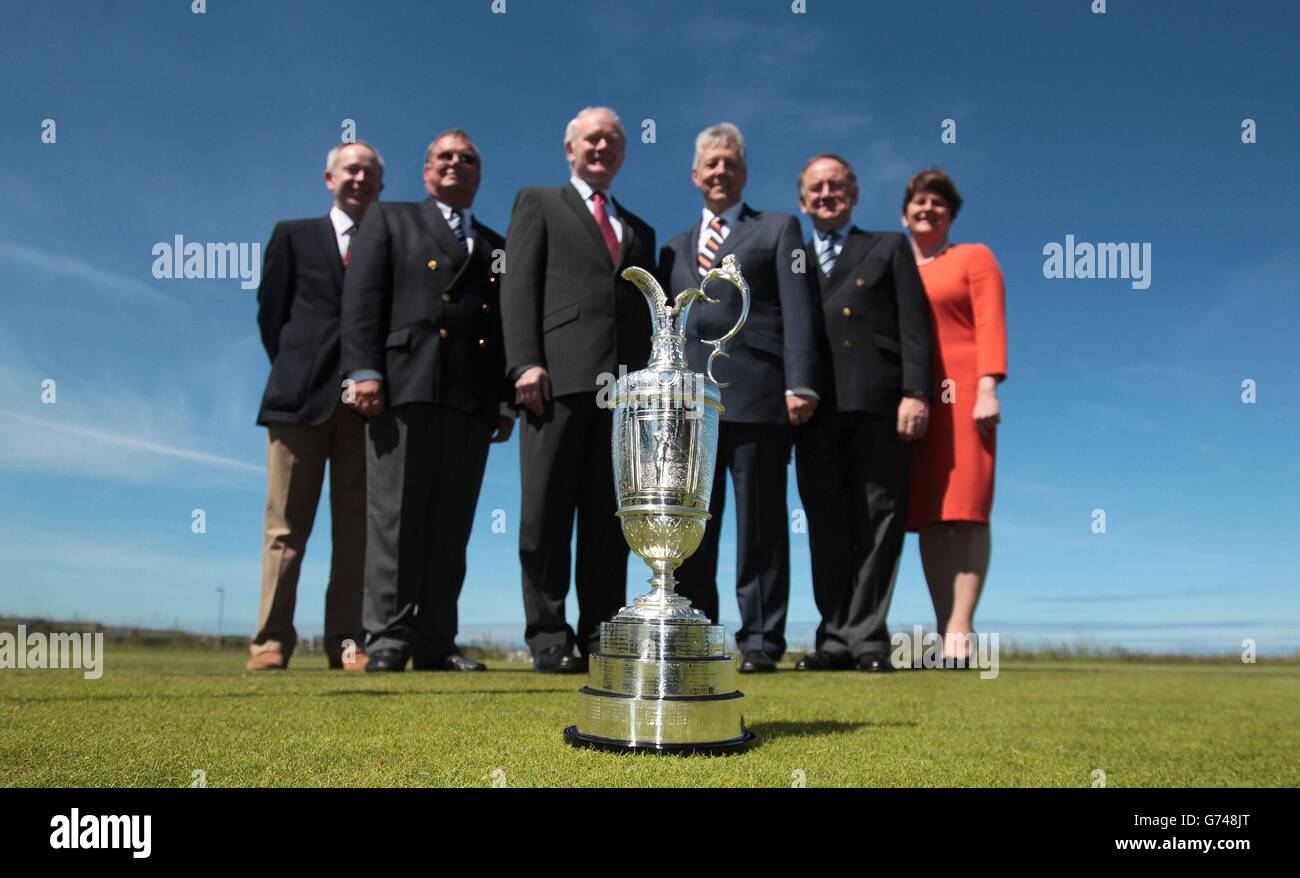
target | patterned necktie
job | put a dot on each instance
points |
(827, 259)
(457, 223)
(708, 254)
(606, 227)
(347, 246)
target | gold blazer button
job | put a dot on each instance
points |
(848, 343)
(482, 342)
(487, 307)
(860, 282)
(446, 297)
(443, 332)
(433, 265)
(848, 312)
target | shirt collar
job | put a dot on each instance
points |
(585, 190)
(729, 216)
(466, 215)
(342, 222)
(842, 232)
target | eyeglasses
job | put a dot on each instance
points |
(466, 158)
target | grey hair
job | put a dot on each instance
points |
(450, 132)
(332, 157)
(723, 132)
(571, 130)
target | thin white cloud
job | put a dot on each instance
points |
(23, 426)
(80, 272)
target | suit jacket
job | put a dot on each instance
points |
(563, 303)
(777, 349)
(298, 304)
(876, 332)
(424, 313)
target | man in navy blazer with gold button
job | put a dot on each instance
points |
(423, 351)
(852, 456)
(774, 378)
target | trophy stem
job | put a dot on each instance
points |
(662, 602)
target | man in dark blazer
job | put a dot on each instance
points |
(570, 324)
(774, 377)
(423, 355)
(299, 302)
(852, 456)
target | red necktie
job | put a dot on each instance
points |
(347, 254)
(606, 227)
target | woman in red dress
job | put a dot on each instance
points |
(952, 466)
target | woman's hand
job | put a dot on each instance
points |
(987, 413)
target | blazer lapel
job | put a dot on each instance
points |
(434, 223)
(855, 247)
(329, 244)
(745, 225)
(629, 236)
(570, 196)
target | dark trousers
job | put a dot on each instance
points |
(566, 467)
(757, 456)
(424, 468)
(852, 471)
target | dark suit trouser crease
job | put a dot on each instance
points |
(296, 458)
(565, 468)
(424, 464)
(757, 456)
(852, 471)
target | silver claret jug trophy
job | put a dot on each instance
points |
(662, 681)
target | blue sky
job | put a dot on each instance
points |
(1117, 127)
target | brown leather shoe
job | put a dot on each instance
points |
(358, 663)
(267, 661)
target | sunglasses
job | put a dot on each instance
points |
(466, 158)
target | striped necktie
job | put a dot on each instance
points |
(457, 226)
(708, 254)
(827, 259)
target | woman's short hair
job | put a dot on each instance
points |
(936, 181)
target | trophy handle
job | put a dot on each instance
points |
(730, 272)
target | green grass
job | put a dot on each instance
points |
(157, 715)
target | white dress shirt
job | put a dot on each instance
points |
(344, 227)
(466, 222)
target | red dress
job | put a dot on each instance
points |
(952, 466)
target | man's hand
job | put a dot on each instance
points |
(913, 418)
(533, 389)
(368, 398)
(505, 426)
(799, 408)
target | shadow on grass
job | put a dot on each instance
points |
(774, 730)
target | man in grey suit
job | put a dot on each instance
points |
(570, 322)
(422, 344)
(774, 375)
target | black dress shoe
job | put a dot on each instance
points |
(875, 662)
(452, 661)
(558, 660)
(823, 661)
(757, 663)
(386, 660)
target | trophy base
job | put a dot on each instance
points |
(661, 687)
(575, 738)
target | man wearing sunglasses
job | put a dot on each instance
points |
(423, 351)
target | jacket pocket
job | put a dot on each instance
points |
(399, 339)
(887, 344)
(761, 341)
(560, 316)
